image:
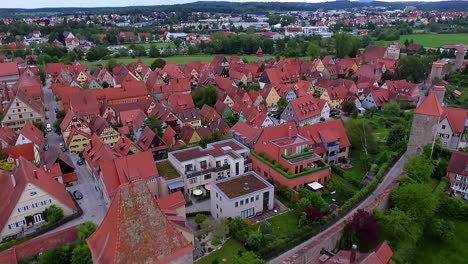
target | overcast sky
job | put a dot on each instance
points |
(106, 3)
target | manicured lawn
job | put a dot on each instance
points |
(433, 40)
(284, 224)
(228, 252)
(176, 59)
(454, 251)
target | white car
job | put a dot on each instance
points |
(49, 127)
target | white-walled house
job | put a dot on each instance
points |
(25, 194)
(242, 196)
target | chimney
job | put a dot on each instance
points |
(13, 180)
(35, 174)
(289, 131)
(352, 257)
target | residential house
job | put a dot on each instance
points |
(457, 173)
(9, 73)
(95, 152)
(245, 133)
(199, 167)
(382, 254)
(404, 91)
(13, 153)
(135, 213)
(306, 110)
(298, 165)
(59, 165)
(73, 121)
(31, 134)
(190, 117)
(243, 196)
(189, 135)
(208, 114)
(126, 169)
(77, 140)
(453, 128)
(85, 103)
(376, 98)
(100, 127)
(126, 147)
(180, 102)
(104, 78)
(22, 109)
(26, 193)
(270, 95)
(328, 139)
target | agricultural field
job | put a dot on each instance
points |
(432, 40)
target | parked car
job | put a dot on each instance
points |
(62, 147)
(77, 195)
(80, 162)
(49, 127)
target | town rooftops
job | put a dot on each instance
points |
(245, 131)
(135, 230)
(32, 133)
(241, 185)
(220, 148)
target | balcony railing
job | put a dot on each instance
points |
(195, 173)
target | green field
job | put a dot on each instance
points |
(227, 252)
(157, 44)
(432, 40)
(176, 59)
(454, 251)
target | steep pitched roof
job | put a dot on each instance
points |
(9, 68)
(457, 118)
(8, 135)
(180, 102)
(329, 130)
(245, 131)
(430, 106)
(146, 138)
(84, 102)
(171, 202)
(32, 133)
(307, 106)
(97, 150)
(23, 174)
(458, 163)
(169, 135)
(25, 150)
(135, 230)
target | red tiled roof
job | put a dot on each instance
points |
(458, 163)
(172, 201)
(32, 133)
(457, 118)
(25, 150)
(84, 102)
(307, 106)
(329, 130)
(8, 69)
(180, 102)
(8, 135)
(146, 138)
(135, 230)
(69, 177)
(169, 136)
(245, 131)
(97, 150)
(126, 169)
(430, 106)
(381, 96)
(26, 173)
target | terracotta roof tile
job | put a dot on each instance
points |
(430, 106)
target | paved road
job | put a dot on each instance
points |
(395, 171)
(94, 208)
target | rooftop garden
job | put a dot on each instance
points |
(166, 170)
(306, 152)
(284, 171)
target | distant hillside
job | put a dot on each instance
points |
(235, 7)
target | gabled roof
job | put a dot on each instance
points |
(430, 106)
(97, 150)
(168, 137)
(220, 125)
(122, 146)
(180, 102)
(84, 102)
(245, 131)
(8, 69)
(28, 100)
(8, 135)
(328, 130)
(307, 106)
(186, 134)
(25, 150)
(125, 169)
(458, 163)
(208, 113)
(32, 133)
(23, 174)
(457, 118)
(146, 138)
(135, 230)
(171, 202)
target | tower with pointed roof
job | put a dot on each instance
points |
(436, 71)
(425, 121)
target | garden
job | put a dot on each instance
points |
(457, 81)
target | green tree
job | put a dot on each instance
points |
(419, 169)
(348, 107)
(60, 255)
(255, 240)
(397, 137)
(282, 103)
(81, 255)
(315, 198)
(361, 135)
(313, 50)
(111, 64)
(303, 203)
(442, 229)
(154, 51)
(238, 229)
(52, 37)
(392, 109)
(154, 124)
(97, 53)
(219, 227)
(343, 44)
(85, 230)
(413, 68)
(53, 214)
(398, 226)
(248, 257)
(158, 63)
(416, 200)
(39, 125)
(205, 96)
(200, 218)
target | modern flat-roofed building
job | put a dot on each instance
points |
(242, 196)
(199, 167)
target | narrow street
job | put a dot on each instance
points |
(94, 208)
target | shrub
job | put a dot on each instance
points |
(215, 242)
(200, 218)
(53, 214)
